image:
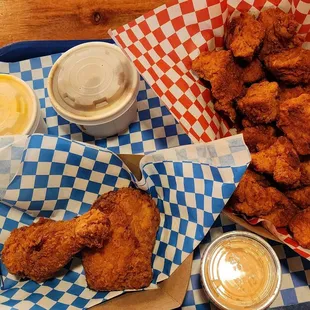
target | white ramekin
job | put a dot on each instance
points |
(36, 122)
(95, 86)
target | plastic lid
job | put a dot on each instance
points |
(241, 273)
(93, 82)
(17, 112)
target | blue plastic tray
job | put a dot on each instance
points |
(30, 49)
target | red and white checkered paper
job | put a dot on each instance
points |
(163, 42)
(281, 233)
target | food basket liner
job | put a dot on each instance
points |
(53, 177)
(162, 44)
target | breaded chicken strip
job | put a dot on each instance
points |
(300, 196)
(260, 104)
(255, 197)
(291, 66)
(300, 227)
(41, 249)
(244, 36)
(294, 121)
(125, 260)
(280, 31)
(253, 72)
(259, 137)
(225, 76)
(281, 161)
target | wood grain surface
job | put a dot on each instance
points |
(22, 20)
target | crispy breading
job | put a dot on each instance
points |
(255, 197)
(305, 172)
(280, 160)
(259, 137)
(300, 227)
(293, 92)
(41, 249)
(247, 123)
(282, 214)
(253, 72)
(125, 260)
(224, 75)
(227, 109)
(300, 196)
(294, 121)
(244, 36)
(280, 31)
(291, 66)
(260, 104)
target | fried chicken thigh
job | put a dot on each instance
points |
(280, 32)
(291, 66)
(294, 121)
(255, 197)
(124, 262)
(300, 227)
(225, 77)
(260, 104)
(244, 36)
(281, 161)
(41, 249)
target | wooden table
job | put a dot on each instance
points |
(22, 20)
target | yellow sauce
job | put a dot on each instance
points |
(240, 273)
(16, 106)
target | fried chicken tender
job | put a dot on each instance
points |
(225, 76)
(259, 137)
(255, 197)
(291, 66)
(244, 36)
(281, 161)
(260, 104)
(280, 32)
(253, 72)
(43, 248)
(300, 196)
(293, 92)
(300, 227)
(124, 262)
(294, 121)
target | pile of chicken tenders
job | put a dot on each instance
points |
(261, 82)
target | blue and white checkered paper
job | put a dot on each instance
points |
(295, 272)
(59, 178)
(154, 128)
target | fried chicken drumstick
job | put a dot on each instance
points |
(41, 249)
